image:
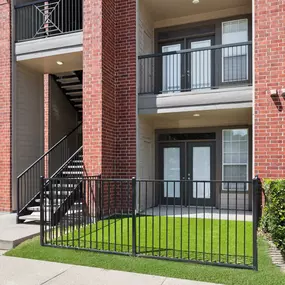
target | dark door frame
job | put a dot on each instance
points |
(162, 146)
(186, 168)
(189, 169)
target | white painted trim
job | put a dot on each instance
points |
(247, 164)
(253, 88)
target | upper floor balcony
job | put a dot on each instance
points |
(47, 32)
(42, 19)
(201, 67)
(187, 50)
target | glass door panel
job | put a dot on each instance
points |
(200, 170)
(201, 65)
(172, 170)
(171, 69)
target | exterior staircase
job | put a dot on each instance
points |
(61, 198)
(60, 192)
(71, 85)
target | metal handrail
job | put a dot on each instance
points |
(194, 50)
(45, 154)
(30, 3)
(49, 163)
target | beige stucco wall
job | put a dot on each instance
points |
(240, 10)
(28, 126)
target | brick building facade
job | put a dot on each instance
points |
(125, 127)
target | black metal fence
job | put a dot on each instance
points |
(48, 18)
(160, 219)
(198, 68)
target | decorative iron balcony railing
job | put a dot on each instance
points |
(193, 69)
(48, 18)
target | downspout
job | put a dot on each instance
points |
(137, 99)
(13, 102)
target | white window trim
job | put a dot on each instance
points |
(247, 59)
(247, 164)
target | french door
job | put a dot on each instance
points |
(187, 71)
(187, 169)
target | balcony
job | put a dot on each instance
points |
(219, 74)
(43, 19)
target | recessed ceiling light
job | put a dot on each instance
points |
(59, 62)
(196, 1)
(196, 115)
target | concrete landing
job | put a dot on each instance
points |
(12, 234)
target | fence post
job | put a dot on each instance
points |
(255, 207)
(42, 210)
(134, 245)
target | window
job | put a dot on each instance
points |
(235, 59)
(235, 157)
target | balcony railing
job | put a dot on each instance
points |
(42, 19)
(193, 69)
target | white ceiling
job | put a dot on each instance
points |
(71, 61)
(212, 118)
(164, 9)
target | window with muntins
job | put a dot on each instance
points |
(235, 157)
(235, 59)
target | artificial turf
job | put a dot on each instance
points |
(268, 273)
(187, 238)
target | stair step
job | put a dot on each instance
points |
(72, 172)
(78, 161)
(37, 217)
(75, 92)
(33, 217)
(66, 80)
(37, 208)
(58, 193)
(69, 86)
(75, 99)
(75, 166)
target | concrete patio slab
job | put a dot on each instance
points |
(12, 234)
(16, 271)
(191, 212)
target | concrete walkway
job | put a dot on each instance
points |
(19, 271)
(12, 234)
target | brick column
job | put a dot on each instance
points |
(5, 108)
(126, 87)
(109, 87)
(269, 114)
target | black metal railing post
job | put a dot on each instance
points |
(134, 231)
(255, 194)
(42, 210)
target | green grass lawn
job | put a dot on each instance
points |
(195, 239)
(268, 274)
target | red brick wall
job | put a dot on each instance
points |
(109, 95)
(269, 74)
(5, 108)
(126, 87)
(92, 86)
